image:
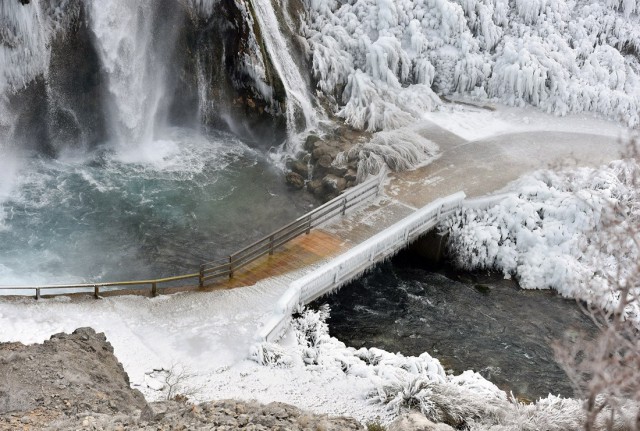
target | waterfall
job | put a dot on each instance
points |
(298, 99)
(124, 31)
(24, 54)
(23, 44)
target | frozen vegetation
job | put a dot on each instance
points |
(554, 232)
(385, 62)
(397, 382)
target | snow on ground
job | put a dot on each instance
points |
(473, 123)
(384, 61)
(210, 335)
(558, 230)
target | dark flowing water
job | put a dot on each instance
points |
(468, 321)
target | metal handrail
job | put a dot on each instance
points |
(225, 267)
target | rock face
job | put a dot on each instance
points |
(73, 382)
(218, 73)
(295, 180)
(328, 178)
(66, 374)
(226, 415)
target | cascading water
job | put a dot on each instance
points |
(22, 27)
(298, 100)
(136, 75)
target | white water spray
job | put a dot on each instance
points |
(124, 34)
(24, 53)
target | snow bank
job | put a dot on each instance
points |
(384, 61)
(556, 232)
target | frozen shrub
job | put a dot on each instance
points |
(563, 57)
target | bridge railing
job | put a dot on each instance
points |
(354, 262)
(226, 267)
(303, 225)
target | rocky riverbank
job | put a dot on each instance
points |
(74, 381)
(318, 168)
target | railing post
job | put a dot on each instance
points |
(271, 245)
(154, 289)
(37, 293)
(96, 291)
(201, 277)
(230, 267)
(308, 225)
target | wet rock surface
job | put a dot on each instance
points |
(74, 381)
(325, 174)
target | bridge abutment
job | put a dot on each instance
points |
(430, 247)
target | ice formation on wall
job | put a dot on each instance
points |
(555, 232)
(384, 61)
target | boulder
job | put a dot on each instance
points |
(298, 167)
(310, 141)
(314, 185)
(333, 184)
(324, 148)
(325, 162)
(338, 171)
(351, 176)
(295, 180)
(415, 421)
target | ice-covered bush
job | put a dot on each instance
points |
(551, 232)
(576, 231)
(384, 61)
(400, 150)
